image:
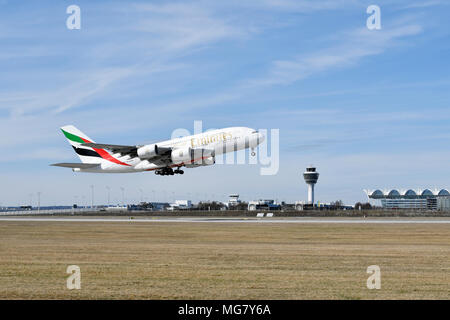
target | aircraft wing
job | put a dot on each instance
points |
(76, 165)
(111, 147)
(114, 148)
(124, 150)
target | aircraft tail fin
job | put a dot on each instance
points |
(76, 138)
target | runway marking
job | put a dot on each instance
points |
(229, 220)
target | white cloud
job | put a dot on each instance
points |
(303, 6)
(74, 92)
(358, 44)
(308, 5)
(161, 34)
(178, 26)
(425, 4)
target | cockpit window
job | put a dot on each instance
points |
(256, 131)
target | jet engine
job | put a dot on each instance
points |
(148, 151)
(192, 157)
(208, 161)
(182, 155)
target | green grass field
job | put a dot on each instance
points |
(223, 260)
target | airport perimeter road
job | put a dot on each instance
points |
(341, 220)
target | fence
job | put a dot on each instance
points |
(48, 211)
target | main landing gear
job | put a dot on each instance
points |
(178, 171)
(168, 171)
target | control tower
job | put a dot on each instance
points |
(311, 177)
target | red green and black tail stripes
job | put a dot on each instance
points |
(73, 137)
(87, 152)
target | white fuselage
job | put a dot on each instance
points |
(215, 141)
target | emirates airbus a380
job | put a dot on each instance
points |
(165, 157)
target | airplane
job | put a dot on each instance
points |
(164, 158)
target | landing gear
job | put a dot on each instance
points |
(164, 172)
(253, 152)
(168, 171)
(178, 171)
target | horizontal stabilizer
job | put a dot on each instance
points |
(76, 165)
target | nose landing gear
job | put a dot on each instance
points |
(253, 152)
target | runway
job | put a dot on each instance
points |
(301, 220)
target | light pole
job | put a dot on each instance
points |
(39, 201)
(109, 190)
(123, 195)
(92, 196)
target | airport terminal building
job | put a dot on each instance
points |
(420, 199)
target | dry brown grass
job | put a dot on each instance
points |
(223, 261)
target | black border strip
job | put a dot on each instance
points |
(86, 152)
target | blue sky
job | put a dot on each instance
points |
(369, 108)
